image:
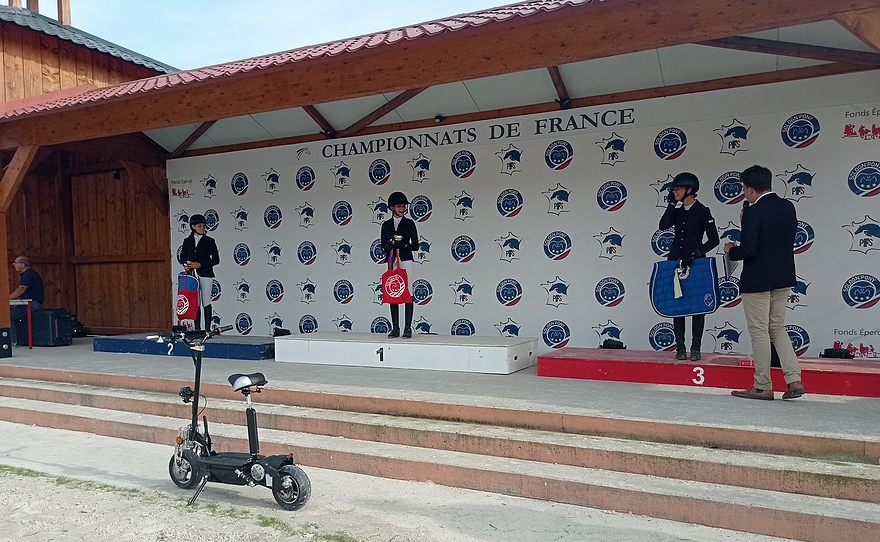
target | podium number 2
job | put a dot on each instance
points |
(700, 378)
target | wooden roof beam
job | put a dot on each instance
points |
(14, 174)
(380, 112)
(798, 50)
(563, 99)
(193, 137)
(566, 35)
(793, 74)
(133, 147)
(327, 129)
(157, 192)
(865, 24)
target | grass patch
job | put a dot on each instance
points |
(213, 508)
(336, 537)
(277, 524)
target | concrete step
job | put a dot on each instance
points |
(834, 446)
(771, 513)
(823, 478)
(509, 461)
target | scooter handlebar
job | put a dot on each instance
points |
(189, 337)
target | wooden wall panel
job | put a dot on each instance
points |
(84, 67)
(51, 64)
(32, 63)
(100, 244)
(13, 63)
(116, 241)
(30, 52)
(2, 71)
(67, 63)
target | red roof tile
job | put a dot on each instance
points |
(389, 37)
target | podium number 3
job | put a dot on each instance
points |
(700, 378)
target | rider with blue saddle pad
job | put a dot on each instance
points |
(692, 222)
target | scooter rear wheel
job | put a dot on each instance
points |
(189, 472)
(291, 488)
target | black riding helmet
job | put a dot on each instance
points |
(197, 219)
(686, 180)
(396, 198)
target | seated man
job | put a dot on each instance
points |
(30, 287)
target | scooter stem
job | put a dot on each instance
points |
(253, 439)
(197, 359)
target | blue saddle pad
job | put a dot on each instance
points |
(699, 288)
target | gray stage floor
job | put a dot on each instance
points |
(834, 416)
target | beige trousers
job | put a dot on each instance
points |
(765, 316)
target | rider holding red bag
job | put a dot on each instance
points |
(399, 239)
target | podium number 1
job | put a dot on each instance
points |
(700, 376)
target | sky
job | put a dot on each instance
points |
(196, 33)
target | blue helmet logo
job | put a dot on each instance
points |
(308, 324)
(463, 327)
(800, 131)
(670, 144)
(305, 178)
(556, 334)
(239, 184)
(379, 172)
(243, 323)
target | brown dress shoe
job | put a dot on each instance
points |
(754, 393)
(795, 390)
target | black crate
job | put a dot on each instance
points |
(51, 327)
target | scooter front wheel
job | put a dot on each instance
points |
(188, 472)
(291, 488)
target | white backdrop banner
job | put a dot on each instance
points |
(546, 225)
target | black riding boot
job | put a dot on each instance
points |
(395, 322)
(209, 314)
(408, 314)
(678, 330)
(198, 324)
(698, 323)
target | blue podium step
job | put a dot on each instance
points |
(223, 347)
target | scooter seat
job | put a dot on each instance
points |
(240, 381)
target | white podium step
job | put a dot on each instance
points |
(473, 354)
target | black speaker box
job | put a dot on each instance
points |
(5, 343)
(51, 327)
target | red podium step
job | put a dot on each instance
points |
(853, 377)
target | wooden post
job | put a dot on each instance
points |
(9, 183)
(33, 5)
(15, 3)
(64, 12)
(5, 321)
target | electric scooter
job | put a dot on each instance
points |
(195, 463)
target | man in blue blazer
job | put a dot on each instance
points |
(766, 244)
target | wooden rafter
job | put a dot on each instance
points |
(380, 112)
(14, 174)
(563, 99)
(865, 24)
(157, 192)
(799, 50)
(327, 129)
(133, 147)
(193, 137)
(562, 36)
(794, 74)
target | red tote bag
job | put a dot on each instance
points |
(187, 297)
(395, 283)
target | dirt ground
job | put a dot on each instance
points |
(69, 487)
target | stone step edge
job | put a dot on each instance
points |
(805, 445)
(818, 526)
(858, 482)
